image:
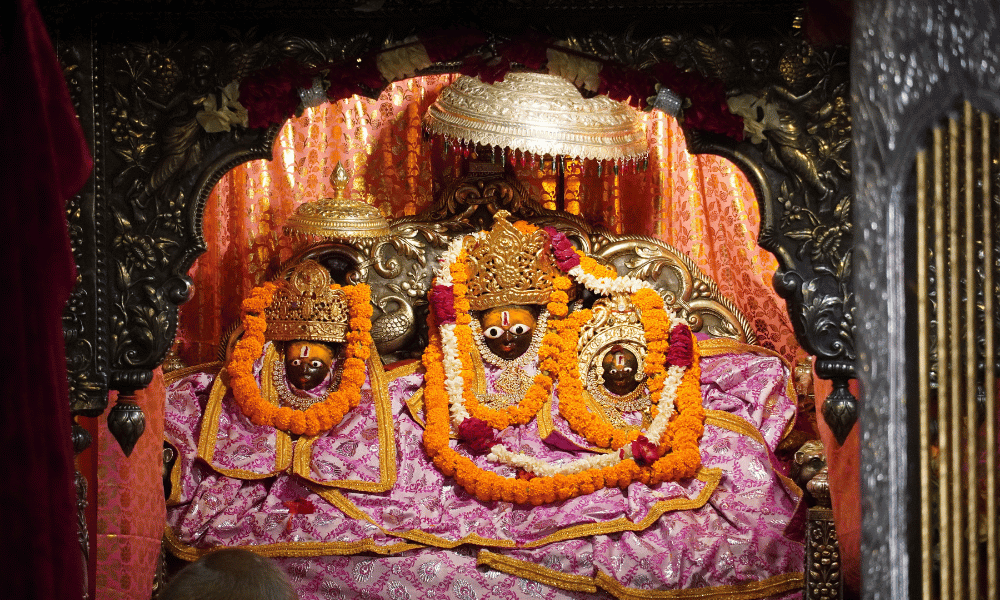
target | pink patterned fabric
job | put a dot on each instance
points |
(128, 533)
(735, 536)
(212, 509)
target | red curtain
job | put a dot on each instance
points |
(45, 161)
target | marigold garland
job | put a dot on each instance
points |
(320, 416)
(517, 414)
(673, 443)
(656, 324)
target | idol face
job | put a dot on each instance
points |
(507, 330)
(620, 366)
(307, 363)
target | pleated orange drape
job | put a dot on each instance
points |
(702, 205)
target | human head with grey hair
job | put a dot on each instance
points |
(230, 574)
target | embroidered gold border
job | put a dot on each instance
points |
(751, 590)
(210, 430)
(711, 477)
(416, 405)
(717, 346)
(212, 368)
(479, 368)
(529, 570)
(546, 424)
(291, 549)
(284, 451)
(175, 479)
(334, 497)
(386, 438)
(739, 425)
(407, 369)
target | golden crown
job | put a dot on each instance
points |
(506, 266)
(306, 308)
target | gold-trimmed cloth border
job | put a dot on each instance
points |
(175, 478)
(751, 590)
(416, 405)
(717, 346)
(379, 384)
(739, 425)
(534, 572)
(711, 477)
(394, 373)
(289, 549)
(210, 431)
(299, 462)
(211, 368)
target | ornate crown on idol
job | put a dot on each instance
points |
(306, 308)
(508, 267)
(616, 322)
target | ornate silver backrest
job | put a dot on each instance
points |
(400, 267)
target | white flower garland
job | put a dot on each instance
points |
(605, 286)
(455, 383)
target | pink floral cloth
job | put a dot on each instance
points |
(726, 529)
(240, 491)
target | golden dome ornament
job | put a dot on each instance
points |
(339, 218)
(537, 114)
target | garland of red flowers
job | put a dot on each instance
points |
(271, 94)
(320, 416)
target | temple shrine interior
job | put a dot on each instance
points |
(516, 299)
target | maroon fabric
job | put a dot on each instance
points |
(828, 23)
(45, 161)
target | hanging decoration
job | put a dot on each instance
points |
(531, 116)
(274, 94)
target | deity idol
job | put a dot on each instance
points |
(505, 462)
(265, 444)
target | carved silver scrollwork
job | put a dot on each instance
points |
(681, 283)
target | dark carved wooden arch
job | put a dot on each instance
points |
(136, 227)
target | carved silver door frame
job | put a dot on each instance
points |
(912, 62)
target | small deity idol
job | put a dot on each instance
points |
(266, 443)
(612, 351)
(309, 370)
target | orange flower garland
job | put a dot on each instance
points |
(487, 485)
(519, 413)
(679, 455)
(656, 324)
(683, 461)
(320, 416)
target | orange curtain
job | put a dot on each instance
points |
(703, 205)
(127, 531)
